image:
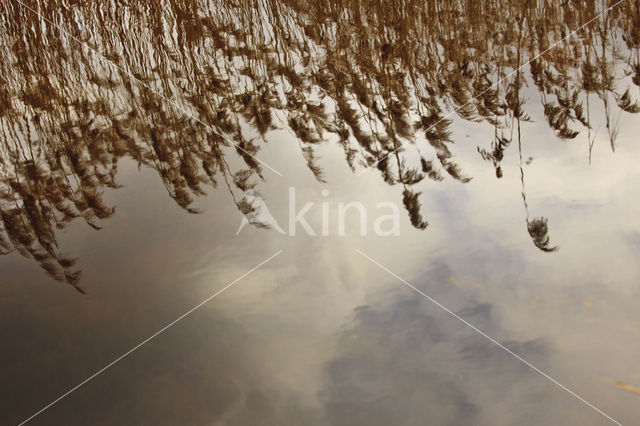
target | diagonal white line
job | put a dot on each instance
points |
(133, 77)
(491, 339)
(148, 339)
(494, 84)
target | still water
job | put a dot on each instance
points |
(136, 139)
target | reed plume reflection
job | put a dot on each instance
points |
(377, 77)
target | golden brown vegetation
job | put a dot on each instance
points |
(168, 84)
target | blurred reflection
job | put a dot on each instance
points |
(379, 78)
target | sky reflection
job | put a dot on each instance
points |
(320, 335)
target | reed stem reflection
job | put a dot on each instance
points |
(376, 77)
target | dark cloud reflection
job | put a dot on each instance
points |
(405, 361)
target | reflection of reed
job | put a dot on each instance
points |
(377, 76)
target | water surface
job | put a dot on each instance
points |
(135, 139)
